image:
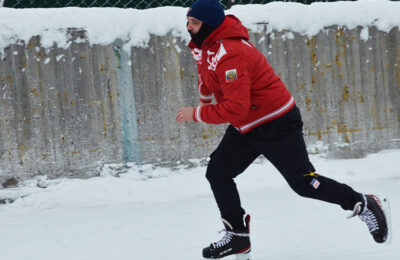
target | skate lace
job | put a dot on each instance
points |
(366, 216)
(369, 218)
(226, 239)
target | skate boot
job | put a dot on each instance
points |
(235, 242)
(375, 212)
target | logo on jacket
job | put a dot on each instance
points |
(197, 55)
(230, 75)
(209, 53)
(214, 60)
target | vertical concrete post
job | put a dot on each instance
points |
(127, 105)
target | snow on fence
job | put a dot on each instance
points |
(64, 112)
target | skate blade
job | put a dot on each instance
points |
(386, 211)
(244, 256)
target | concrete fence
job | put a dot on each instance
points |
(65, 112)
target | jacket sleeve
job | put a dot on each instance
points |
(235, 82)
(205, 93)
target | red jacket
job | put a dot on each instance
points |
(247, 90)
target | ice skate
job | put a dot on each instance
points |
(375, 212)
(235, 242)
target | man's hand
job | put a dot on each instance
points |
(185, 114)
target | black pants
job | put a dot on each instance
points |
(281, 142)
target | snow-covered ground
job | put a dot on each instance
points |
(140, 213)
(151, 213)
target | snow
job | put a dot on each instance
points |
(145, 212)
(134, 27)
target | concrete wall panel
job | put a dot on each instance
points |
(65, 112)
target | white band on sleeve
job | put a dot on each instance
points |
(197, 114)
(205, 97)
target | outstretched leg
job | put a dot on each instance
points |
(281, 142)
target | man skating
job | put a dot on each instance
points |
(264, 120)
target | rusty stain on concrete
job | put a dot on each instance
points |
(337, 60)
(346, 139)
(314, 58)
(10, 81)
(207, 133)
(308, 103)
(318, 133)
(30, 45)
(102, 68)
(345, 95)
(311, 42)
(338, 35)
(23, 147)
(360, 97)
(314, 79)
(65, 96)
(34, 92)
(398, 78)
(342, 128)
(379, 127)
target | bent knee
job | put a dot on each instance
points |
(220, 173)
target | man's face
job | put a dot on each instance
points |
(193, 25)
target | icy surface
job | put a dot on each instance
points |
(134, 27)
(143, 215)
(140, 213)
